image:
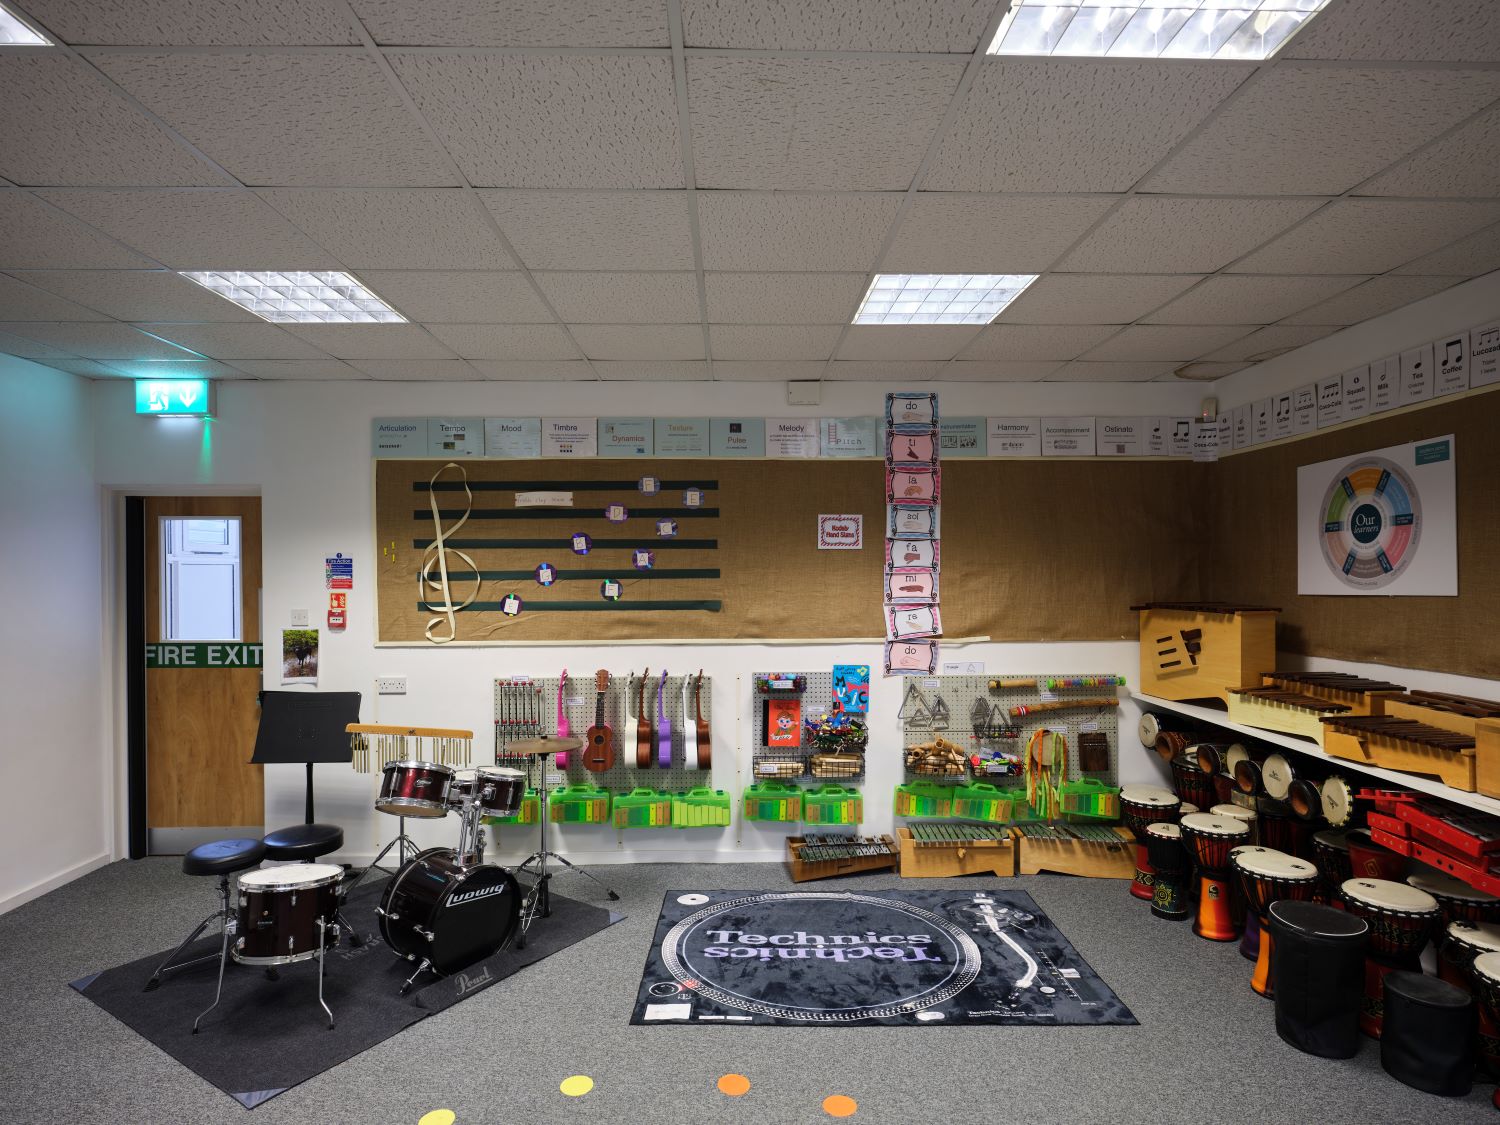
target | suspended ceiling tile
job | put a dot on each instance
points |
(1151, 342)
(160, 23)
(639, 342)
(1233, 299)
(458, 296)
(418, 370)
(1471, 256)
(880, 371)
(532, 371)
(1449, 31)
(1367, 236)
(98, 341)
(783, 298)
(36, 236)
(85, 368)
(292, 369)
(285, 119)
(1205, 372)
(236, 341)
(1171, 235)
(773, 341)
(998, 371)
(396, 228)
(1098, 372)
(156, 295)
(11, 344)
(946, 233)
(517, 23)
(506, 341)
(569, 121)
(1373, 297)
(750, 231)
(814, 124)
(1028, 342)
(1088, 298)
(63, 125)
(174, 369)
(210, 230)
(950, 26)
(760, 371)
(1073, 125)
(1268, 342)
(1461, 164)
(372, 341)
(658, 371)
(584, 230)
(622, 297)
(21, 301)
(906, 341)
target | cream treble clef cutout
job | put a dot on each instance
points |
(438, 552)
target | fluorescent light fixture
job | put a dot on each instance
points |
(1152, 29)
(295, 297)
(939, 298)
(16, 32)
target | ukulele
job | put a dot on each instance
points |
(563, 731)
(689, 731)
(663, 727)
(642, 725)
(705, 750)
(599, 747)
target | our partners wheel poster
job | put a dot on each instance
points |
(1383, 523)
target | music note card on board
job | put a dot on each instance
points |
(912, 485)
(911, 658)
(904, 622)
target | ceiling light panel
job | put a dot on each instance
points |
(15, 32)
(939, 298)
(1151, 29)
(298, 297)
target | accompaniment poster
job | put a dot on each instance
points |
(1383, 522)
(913, 491)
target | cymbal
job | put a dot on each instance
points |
(539, 746)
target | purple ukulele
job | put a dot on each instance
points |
(663, 727)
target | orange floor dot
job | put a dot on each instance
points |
(734, 1085)
(576, 1086)
(837, 1105)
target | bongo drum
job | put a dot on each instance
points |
(1485, 973)
(1170, 864)
(1140, 806)
(1331, 856)
(1247, 776)
(1455, 898)
(1401, 920)
(1209, 839)
(1276, 776)
(1270, 876)
(1305, 799)
(1372, 861)
(1191, 782)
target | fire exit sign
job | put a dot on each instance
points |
(175, 398)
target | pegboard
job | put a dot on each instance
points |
(816, 700)
(578, 707)
(960, 694)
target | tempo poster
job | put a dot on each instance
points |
(1383, 523)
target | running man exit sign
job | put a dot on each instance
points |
(175, 398)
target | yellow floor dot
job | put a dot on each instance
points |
(577, 1085)
(438, 1117)
(734, 1085)
(837, 1105)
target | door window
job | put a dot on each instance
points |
(201, 579)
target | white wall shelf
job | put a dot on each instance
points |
(1302, 746)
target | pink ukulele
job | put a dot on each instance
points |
(562, 721)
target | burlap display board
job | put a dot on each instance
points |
(1253, 555)
(1032, 550)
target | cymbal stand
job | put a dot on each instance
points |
(538, 898)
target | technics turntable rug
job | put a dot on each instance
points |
(878, 957)
(267, 1036)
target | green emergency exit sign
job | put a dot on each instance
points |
(175, 398)
(203, 654)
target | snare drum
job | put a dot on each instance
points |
(285, 911)
(415, 789)
(1401, 919)
(1170, 863)
(499, 791)
(1192, 784)
(1140, 806)
(1331, 856)
(1269, 876)
(1209, 839)
(1455, 898)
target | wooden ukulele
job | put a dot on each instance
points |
(705, 750)
(642, 726)
(599, 749)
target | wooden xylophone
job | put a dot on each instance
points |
(819, 848)
(955, 835)
(1291, 712)
(1092, 834)
(1362, 695)
(374, 746)
(1403, 744)
(822, 856)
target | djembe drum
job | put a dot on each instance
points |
(1192, 784)
(1455, 898)
(1141, 806)
(1331, 857)
(1209, 839)
(1236, 896)
(1244, 918)
(1464, 943)
(1169, 862)
(1270, 876)
(1486, 976)
(1401, 920)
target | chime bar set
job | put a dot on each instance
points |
(376, 746)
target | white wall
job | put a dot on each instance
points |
(57, 822)
(306, 449)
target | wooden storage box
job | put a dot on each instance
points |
(1199, 650)
(802, 870)
(1088, 858)
(942, 861)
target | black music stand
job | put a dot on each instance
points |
(305, 727)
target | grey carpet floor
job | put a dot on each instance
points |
(1205, 1050)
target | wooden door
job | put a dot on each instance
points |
(201, 696)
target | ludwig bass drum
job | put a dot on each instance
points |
(450, 916)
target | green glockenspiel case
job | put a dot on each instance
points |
(701, 808)
(773, 801)
(643, 808)
(832, 804)
(579, 804)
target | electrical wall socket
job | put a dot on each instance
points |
(298, 618)
(390, 685)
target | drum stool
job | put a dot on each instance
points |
(1428, 1036)
(1319, 974)
(222, 858)
(306, 843)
